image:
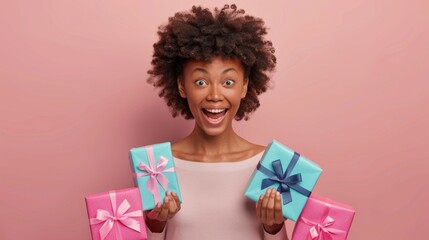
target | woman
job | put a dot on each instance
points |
(211, 67)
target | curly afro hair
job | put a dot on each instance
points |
(200, 34)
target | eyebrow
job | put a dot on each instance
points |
(206, 72)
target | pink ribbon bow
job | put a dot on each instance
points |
(322, 231)
(118, 215)
(155, 172)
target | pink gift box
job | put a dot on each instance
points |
(116, 215)
(323, 219)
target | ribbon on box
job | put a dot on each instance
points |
(155, 171)
(119, 214)
(285, 180)
(322, 231)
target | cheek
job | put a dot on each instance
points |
(235, 98)
(194, 98)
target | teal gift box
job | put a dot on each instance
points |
(154, 173)
(293, 175)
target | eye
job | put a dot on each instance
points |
(200, 82)
(229, 82)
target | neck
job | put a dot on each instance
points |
(226, 142)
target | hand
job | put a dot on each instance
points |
(157, 217)
(269, 211)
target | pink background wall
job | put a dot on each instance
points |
(350, 93)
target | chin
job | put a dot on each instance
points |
(214, 132)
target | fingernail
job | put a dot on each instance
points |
(174, 194)
(277, 194)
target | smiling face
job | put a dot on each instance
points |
(214, 91)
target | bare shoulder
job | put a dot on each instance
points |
(181, 150)
(185, 150)
(248, 150)
(255, 149)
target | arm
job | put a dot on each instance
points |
(269, 212)
(156, 219)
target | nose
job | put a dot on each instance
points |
(215, 93)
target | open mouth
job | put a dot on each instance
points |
(214, 115)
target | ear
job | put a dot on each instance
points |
(244, 89)
(181, 88)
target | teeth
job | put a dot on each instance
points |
(215, 110)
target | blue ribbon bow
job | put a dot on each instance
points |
(285, 180)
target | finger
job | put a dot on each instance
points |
(154, 213)
(270, 207)
(163, 215)
(259, 206)
(278, 211)
(264, 205)
(176, 200)
(172, 207)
